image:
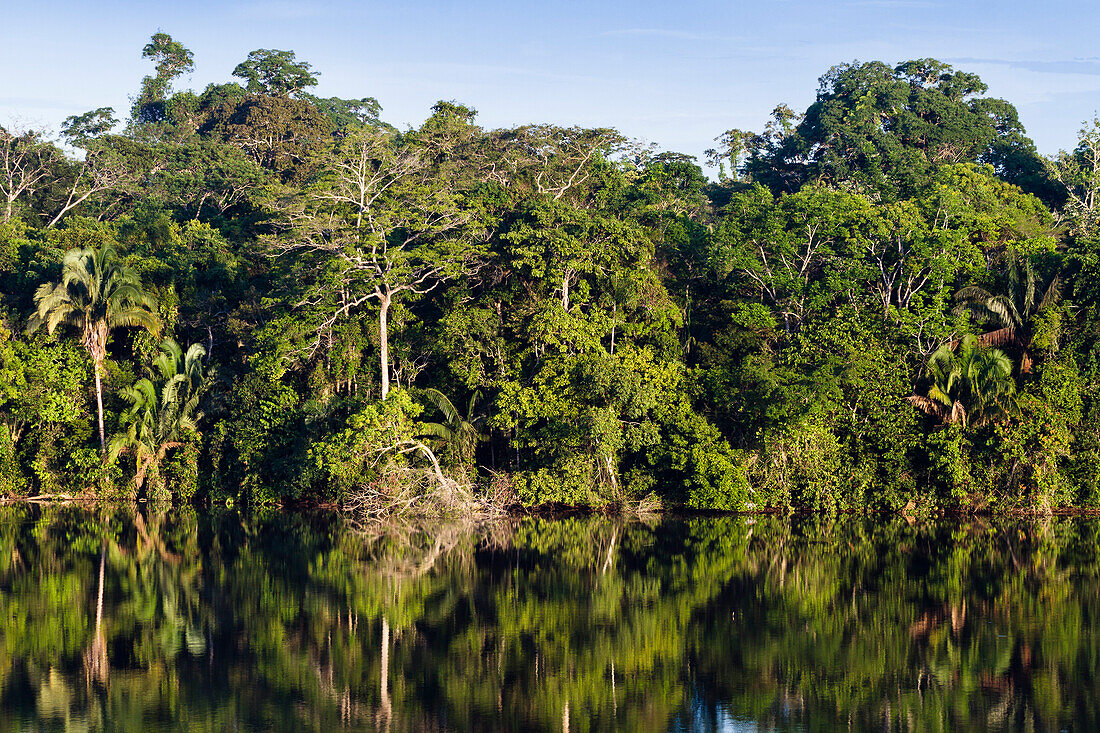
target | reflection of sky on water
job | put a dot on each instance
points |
(717, 720)
(706, 717)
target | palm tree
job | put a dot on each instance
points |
(162, 413)
(971, 385)
(97, 294)
(460, 434)
(1026, 294)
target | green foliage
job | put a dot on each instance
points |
(277, 73)
(172, 59)
(97, 294)
(971, 385)
(586, 320)
(162, 416)
(82, 129)
(374, 439)
(280, 134)
(883, 130)
(345, 114)
(591, 427)
(951, 457)
(12, 481)
(459, 434)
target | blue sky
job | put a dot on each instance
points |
(673, 73)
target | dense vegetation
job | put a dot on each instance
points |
(119, 620)
(254, 294)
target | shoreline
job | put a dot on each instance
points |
(564, 511)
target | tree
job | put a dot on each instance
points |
(382, 223)
(733, 148)
(79, 130)
(545, 159)
(163, 410)
(276, 73)
(972, 385)
(883, 130)
(26, 161)
(196, 177)
(783, 253)
(104, 169)
(460, 434)
(97, 293)
(1026, 294)
(39, 385)
(1079, 172)
(281, 134)
(344, 113)
(172, 59)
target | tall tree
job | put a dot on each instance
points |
(104, 167)
(344, 113)
(383, 223)
(97, 293)
(274, 72)
(1079, 173)
(883, 130)
(80, 129)
(172, 60)
(281, 134)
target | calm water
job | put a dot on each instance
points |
(115, 620)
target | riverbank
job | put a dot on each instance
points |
(556, 510)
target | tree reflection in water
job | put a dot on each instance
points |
(116, 619)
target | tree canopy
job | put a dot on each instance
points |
(887, 298)
(882, 130)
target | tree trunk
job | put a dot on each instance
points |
(384, 683)
(99, 404)
(614, 322)
(99, 591)
(139, 476)
(384, 342)
(95, 656)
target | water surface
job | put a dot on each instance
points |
(120, 620)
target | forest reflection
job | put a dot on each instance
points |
(124, 619)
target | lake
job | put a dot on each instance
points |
(124, 619)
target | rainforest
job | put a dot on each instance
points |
(250, 295)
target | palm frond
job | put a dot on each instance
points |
(437, 430)
(973, 294)
(441, 403)
(1004, 311)
(937, 394)
(137, 318)
(1052, 294)
(925, 405)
